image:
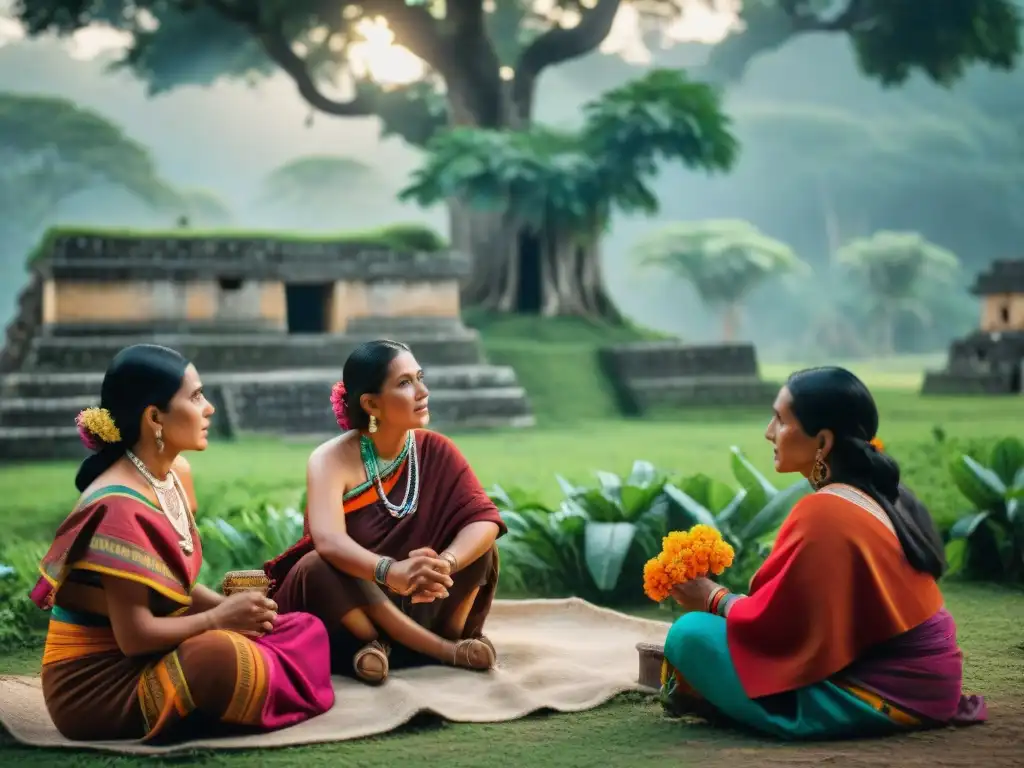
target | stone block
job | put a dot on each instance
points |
(671, 374)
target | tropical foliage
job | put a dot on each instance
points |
(594, 544)
(560, 188)
(988, 541)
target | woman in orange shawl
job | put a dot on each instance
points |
(398, 557)
(844, 631)
(136, 649)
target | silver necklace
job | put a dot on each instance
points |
(172, 500)
(408, 505)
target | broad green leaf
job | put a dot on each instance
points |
(1007, 459)
(965, 527)
(775, 511)
(600, 507)
(691, 512)
(643, 473)
(725, 516)
(748, 476)
(637, 500)
(980, 485)
(606, 546)
(608, 481)
(956, 556)
(568, 488)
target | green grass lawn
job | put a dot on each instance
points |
(629, 731)
(37, 496)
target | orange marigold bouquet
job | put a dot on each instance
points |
(685, 556)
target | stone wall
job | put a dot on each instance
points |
(982, 363)
(109, 257)
(672, 374)
(233, 282)
(24, 326)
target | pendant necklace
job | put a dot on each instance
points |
(173, 502)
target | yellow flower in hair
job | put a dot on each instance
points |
(877, 444)
(99, 423)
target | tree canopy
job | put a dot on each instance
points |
(487, 56)
(560, 188)
(51, 149)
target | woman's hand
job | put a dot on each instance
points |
(248, 612)
(422, 572)
(431, 592)
(693, 595)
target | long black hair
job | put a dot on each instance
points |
(365, 372)
(833, 398)
(138, 377)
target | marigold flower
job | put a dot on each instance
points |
(685, 556)
(95, 427)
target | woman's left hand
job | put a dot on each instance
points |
(693, 595)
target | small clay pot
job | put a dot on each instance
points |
(651, 658)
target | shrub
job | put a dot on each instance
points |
(21, 621)
(988, 541)
(244, 535)
(594, 545)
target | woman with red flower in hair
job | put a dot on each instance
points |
(398, 557)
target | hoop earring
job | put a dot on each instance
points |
(820, 473)
(159, 441)
(373, 424)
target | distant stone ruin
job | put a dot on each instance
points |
(670, 374)
(267, 320)
(990, 360)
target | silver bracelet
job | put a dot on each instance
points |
(380, 572)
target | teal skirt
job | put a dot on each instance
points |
(696, 649)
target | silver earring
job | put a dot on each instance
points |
(373, 424)
(159, 441)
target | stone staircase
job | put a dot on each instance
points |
(671, 374)
(274, 384)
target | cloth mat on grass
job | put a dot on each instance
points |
(562, 655)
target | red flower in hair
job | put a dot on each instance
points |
(338, 404)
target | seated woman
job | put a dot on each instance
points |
(844, 632)
(135, 647)
(400, 536)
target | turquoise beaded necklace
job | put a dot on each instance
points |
(371, 462)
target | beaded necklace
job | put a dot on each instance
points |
(411, 499)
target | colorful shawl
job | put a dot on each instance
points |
(835, 584)
(117, 531)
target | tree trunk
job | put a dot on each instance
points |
(730, 322)
(515, 270)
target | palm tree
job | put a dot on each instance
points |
(895, 266)
(723, 259)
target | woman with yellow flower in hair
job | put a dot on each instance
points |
(135, 647)
(844, 632)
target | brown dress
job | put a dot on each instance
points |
(451, 498)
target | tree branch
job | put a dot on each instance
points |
(279, 49)
(560, 44)
(770, 27)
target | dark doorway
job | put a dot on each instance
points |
(309, 307)
(528, 298)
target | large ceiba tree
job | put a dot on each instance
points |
(484, 58)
